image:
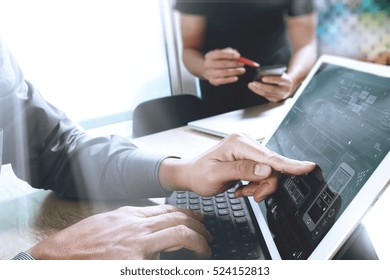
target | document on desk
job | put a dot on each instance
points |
(258, 122)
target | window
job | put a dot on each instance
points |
(93, 59)
(356, 29)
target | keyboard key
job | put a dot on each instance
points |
(237, 207)
(244, 228)
(246, 235)
(231, 190)
(227, 219)
(241, 220)
(239, 214)
(208, 208)
(235, 201)
(232, 252)
(231, 195)
(181, 195)
(220, 199)
(228, 226)
(181, 201)
(224, 212)
(231, 242)
(209, 215)
(208, 202)
(182, 206)
(251, 254)
(195, 207)
(194, 201)
(193, 195)
(222, 205)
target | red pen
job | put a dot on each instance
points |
(248, 62)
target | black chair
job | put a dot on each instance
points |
(168, 112)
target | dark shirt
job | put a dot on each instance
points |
(256, 29)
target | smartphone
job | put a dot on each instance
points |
(273, 70)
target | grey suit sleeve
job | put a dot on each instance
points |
(51, 152)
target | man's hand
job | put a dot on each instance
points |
(128, 233)
(237, 157)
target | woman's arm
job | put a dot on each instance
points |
(302, 31)
(218, 66)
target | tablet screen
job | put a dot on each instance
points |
(344, 127)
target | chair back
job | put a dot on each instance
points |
(167, 112)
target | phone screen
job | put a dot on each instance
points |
(273, 70)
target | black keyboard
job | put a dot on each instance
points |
(228, 219)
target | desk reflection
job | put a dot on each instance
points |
(29, 216)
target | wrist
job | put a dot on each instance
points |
(34, 252)
(295, 80)
(194, 61)
(49, 249)
(173, 174)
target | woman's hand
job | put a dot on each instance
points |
(274, 88)
(222, 66)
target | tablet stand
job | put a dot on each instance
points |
(357, 247)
